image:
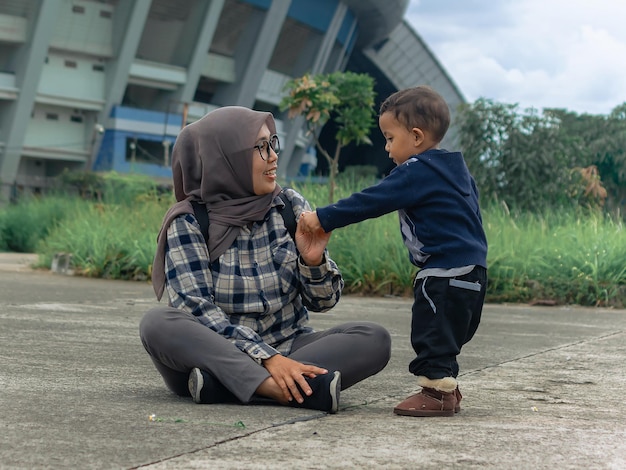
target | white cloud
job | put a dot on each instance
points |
(536, 53)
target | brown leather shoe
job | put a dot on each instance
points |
(459, 397)
(428, 402)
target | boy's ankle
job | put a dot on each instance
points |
(445, 384)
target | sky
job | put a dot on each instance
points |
(534, 53)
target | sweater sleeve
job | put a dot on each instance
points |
(392, 193)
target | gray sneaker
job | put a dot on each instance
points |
(195, 384)
(205, 388)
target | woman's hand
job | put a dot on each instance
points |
(289, 374)
(311, 239)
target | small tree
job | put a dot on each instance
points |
(345, 97)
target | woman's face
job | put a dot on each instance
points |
(264, 163)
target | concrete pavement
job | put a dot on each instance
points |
(543, 389)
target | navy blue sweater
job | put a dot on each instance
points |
(437, 201)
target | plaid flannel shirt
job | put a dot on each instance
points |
(258, 292)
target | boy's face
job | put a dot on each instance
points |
(400, 142)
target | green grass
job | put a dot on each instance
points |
(560, 256)
(564, 257)
(23, 226)
(109, 241)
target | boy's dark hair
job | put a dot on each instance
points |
(420, 106)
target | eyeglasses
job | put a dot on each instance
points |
(264, 147)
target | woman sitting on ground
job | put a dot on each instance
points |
(235, 327)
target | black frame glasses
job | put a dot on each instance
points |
(265, 145)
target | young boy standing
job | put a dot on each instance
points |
(441, 225)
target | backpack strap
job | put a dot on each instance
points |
(202, 216)
(289, 218)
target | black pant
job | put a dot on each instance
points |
(446, 314)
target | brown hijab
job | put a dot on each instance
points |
(212, 163)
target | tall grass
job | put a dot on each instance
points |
(556, 256)
(108, 240)
(24, 225)
(566, 256)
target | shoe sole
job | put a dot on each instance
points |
(424, 413)
(335, 389)
(195, 384)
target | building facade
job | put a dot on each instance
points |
(106, 85)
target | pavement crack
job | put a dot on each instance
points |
(233, 439)
(543, 351)
(299, 420)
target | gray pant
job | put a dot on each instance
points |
(177, 342)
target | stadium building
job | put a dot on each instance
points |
(106, 85)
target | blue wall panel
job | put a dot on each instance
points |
(316, 14)
(112, 155)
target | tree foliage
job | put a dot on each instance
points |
(345, 97)
(532, 160)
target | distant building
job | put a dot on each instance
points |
(107, 84)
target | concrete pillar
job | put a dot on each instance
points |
(319, 66)
(339, 61)
(29, 65)
(252, 57)
(129, 20)
(203, 28)
(292, 156)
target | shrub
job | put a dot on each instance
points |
(25, 224)
(108, 241)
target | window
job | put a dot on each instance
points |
(145, 151)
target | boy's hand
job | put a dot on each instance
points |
(310, 222)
